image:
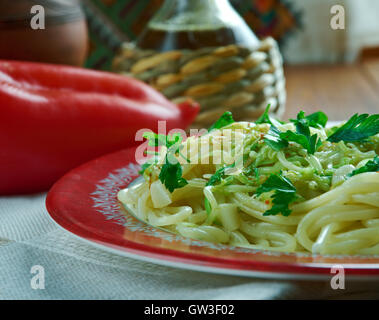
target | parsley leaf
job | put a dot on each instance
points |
(370, 166)
(281, 201)
(285, 193)
(279, 140)
(252, 171)
(171, 176)
(171, 171)
(357, 128)
(303, 136)
(316, 120)
(265, 117)
(274, 140)
(223, 121)
(218, 175)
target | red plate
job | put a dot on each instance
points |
(84, 202)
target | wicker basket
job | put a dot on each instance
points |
(231, 78)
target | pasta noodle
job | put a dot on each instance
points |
(335, 212)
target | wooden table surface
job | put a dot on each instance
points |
(338, 90)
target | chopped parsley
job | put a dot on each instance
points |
(274, 140)
(218, 175)
(303, 137)
(265, 117)
(171, 176)
(370, 166)
(223, 121)
(316, 120)
(357, 128)
(171, 171)
(284, 194)
(279, 140)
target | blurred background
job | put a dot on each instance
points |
(302, 28)
(324, 68)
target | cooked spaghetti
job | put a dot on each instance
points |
(291, 187)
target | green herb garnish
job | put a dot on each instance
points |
(284, 194)
(279, 140)
(218, 175)
(171, 176)
(171, 171)
(316, 119)
(357, 128)
(265, 117)
(274, 140)
(303, 136)
(223, 121)
(370, 166)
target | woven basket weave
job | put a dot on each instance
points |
(231, 78)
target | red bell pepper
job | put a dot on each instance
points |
(53, 118)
